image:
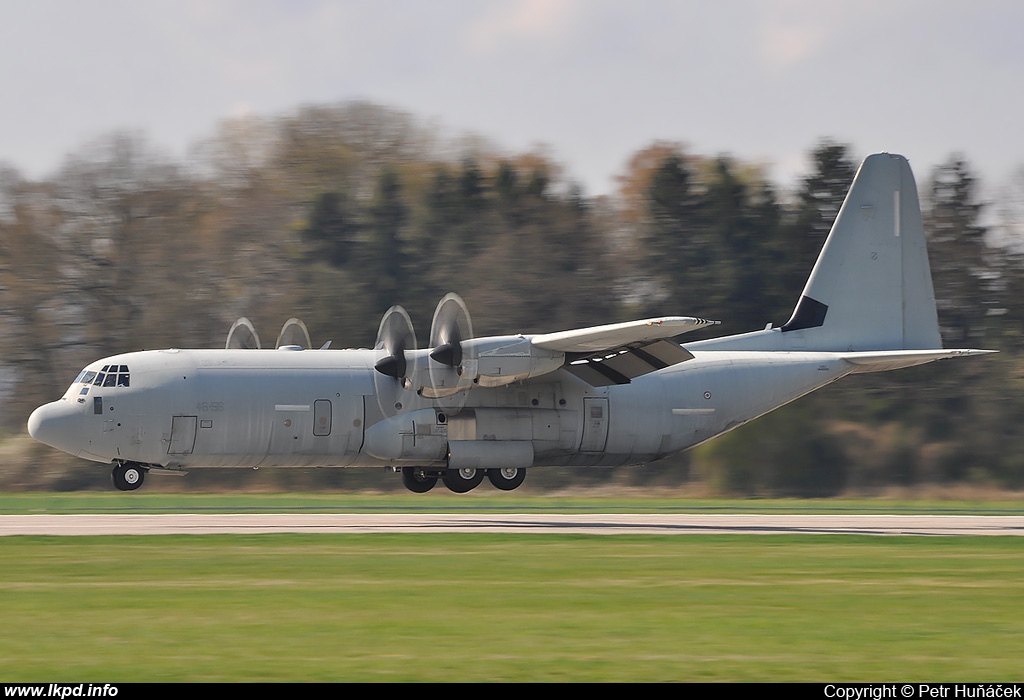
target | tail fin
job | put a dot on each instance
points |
(871, 288)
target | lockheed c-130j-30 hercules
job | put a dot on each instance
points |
(467, 408)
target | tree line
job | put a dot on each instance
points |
(334, 213)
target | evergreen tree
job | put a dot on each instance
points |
(678, 252)
(962, 271)
(385, 264)
(332, 230)
(743, 231)
(819, 199)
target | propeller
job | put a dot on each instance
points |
(453, 365)
(396, 340)
(242, 336)
(294, 334)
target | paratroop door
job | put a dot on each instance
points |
(595, 424)
(183, 435)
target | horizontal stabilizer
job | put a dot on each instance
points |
(898, 359)
(616, 335)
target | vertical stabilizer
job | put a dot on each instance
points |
(871, 287)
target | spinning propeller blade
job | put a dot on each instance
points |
(294, 334)
(451, 368)
(242, 336)
(395, 339)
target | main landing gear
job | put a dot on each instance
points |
(127, 476)
(417, 479)
(421, 480)
(507, 478)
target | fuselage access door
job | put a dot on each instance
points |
(183, 435)
(595, 424)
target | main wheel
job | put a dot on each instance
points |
(416, 480)
(127, 476)
(506, 478)
(463, 480)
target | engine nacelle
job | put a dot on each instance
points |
(502, 360)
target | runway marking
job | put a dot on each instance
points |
(598, 524)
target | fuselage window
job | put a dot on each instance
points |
(88, 377)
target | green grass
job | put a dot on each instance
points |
(443, 501)
(478, 607)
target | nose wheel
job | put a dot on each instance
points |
(127, 476)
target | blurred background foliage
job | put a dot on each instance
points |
(334, 213)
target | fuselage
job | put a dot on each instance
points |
(181, 409)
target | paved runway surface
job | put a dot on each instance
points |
(612, 524)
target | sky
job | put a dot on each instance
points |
(591, 81)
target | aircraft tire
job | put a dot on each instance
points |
(127, 476)
(506, 478)
(414, 479)
(463, 480)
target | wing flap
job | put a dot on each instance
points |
(622, 364)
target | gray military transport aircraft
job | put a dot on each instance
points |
(466, 407)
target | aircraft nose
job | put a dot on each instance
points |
(57, 424)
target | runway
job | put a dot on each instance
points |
(590, 524)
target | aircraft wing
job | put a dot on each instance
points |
(618, 352)
(601, 338)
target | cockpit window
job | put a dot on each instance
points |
(109, 375)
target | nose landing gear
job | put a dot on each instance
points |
(127, 476)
